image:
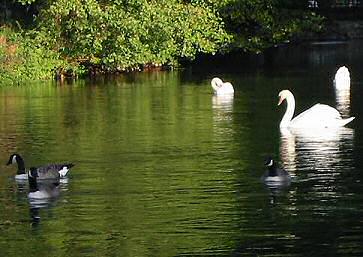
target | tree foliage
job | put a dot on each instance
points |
(259, 24)
(118, 35)
(23, 56)
(123, 34)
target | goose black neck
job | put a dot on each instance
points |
(21, 165)
(272, 170)
(33, 185)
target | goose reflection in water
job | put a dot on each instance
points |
(48, 195)
(323, 151)
(36, 205)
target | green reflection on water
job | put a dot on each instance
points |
(155, 170)
(163, 168)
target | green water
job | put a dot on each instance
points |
(164, 168)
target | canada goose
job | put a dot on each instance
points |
(49, 171)
(39, 191)
(275, 174)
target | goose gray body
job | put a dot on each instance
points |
(41, 190)
(52, 171)
(48, 171)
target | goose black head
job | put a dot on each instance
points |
(269, 162)
(14, 159)
(33, 173)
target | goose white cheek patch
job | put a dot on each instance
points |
(14, 160)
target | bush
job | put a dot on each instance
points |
(23, 57)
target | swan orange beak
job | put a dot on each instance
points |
(281, 99)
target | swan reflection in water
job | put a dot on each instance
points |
(222, 102)
(343, 101)
(324, 152)
(222, 127)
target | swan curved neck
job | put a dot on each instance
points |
(216, 84)
(286, 119)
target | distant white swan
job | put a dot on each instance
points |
(342, 90)
(342, 78)
(318, 116)
(222, 88)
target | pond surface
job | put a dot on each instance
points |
(164, 168)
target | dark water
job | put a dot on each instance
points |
(164, 168)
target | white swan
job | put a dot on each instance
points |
(318, 116)
(342, 90)
(342, 78)
(222, 88)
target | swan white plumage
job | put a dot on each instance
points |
(222, 88)
(342, 78)
(318, 116)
